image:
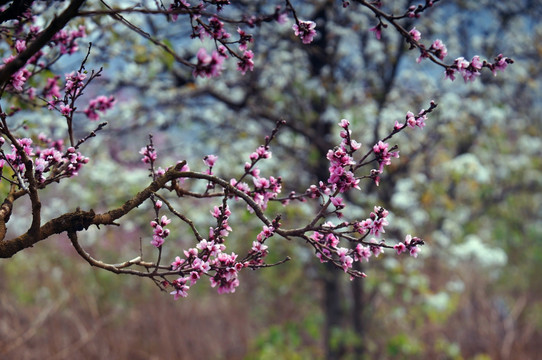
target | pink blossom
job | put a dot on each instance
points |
(377, 30)
(267, 232)
(20, 45)
(20, 77)
(191, 253)
(355, 145)
(337, 202)
(74, 81)
(344, 123)
(244, 187)
(340, 171)
(450, 73)
(316, 236)
(400, 248)
(65, 110)
(439, 49)
(210, 160)
(226, 276)
(323, 255)
(157, 241)
(224, 284)
(51, 89)
(383, 155)
(500, 63)
(208, 65)
(216, 212)
(416, 35)
(362, 253)
(159, 233)
(305, 30)
(346, 260)
(244, 39)
(263, 152)
(331, 240)
(200, 265)
(31, 93)
(246, 63)
(464, 68)
(205, 245)
(376, 249)
(261, 182)
(66, 41)
(149, 155)
(181, 289)
(476, 63)
(410, 119)
(378, 227)
(194, 277)
(164, 220)
(177, 263)
(420, 121)
(258, 247)
(414, 251)
(216, 30)
(101, 103)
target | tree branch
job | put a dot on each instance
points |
(56, 25)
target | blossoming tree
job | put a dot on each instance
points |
(32, 161)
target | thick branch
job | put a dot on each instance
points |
(80, 220)
(56, 25)
(15, 10)
(5, 211)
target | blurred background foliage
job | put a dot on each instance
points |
(469, 184)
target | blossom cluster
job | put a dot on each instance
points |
(223, 229)
(101, 103)
(438, 51)
(469, 70)
(208, 65)
(327, 240)
(383, 155)
(410, 244)
(209, 259)
(264, 189)
(375, 223)
(160, 232)
(149, 154)
(63, 41)
(19, 78)
(328, 244)
(205, 25)
(259, 249)
(66, 40)
(208, 256)
(49, 164)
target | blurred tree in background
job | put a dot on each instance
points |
(469, 183)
